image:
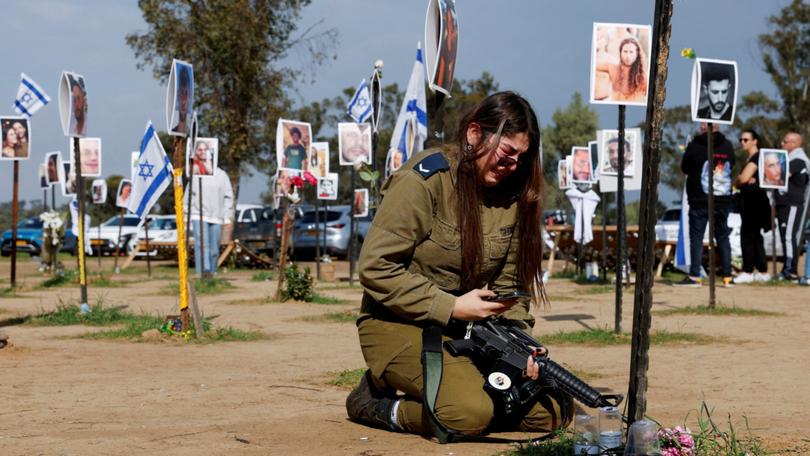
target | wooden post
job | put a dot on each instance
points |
(99, 240)
(118, 242)
(773, 236)
(620, 226)
(642, 305)
(286, 227)
(77, 159)
(604, 237)
(710, 158)
(15, 194)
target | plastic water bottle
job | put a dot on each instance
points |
(585, 430)
(610, 428)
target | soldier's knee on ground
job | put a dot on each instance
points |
(468, 414)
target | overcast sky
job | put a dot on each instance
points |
(538, 48)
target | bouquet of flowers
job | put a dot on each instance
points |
(53, 230)
(676, 442)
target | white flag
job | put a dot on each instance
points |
(153, 175)
(410, 131)
(30, 97)
(359, 107)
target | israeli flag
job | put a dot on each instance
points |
(152, 175)
(359, 107)
(30, 97)
(410, 131)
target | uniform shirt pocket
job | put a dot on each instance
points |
(498, 242)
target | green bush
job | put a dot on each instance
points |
(299, 284)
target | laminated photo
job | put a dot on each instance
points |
(90, 150)
(714, 91)
(328, 187)
(201, 159)
(122, 195)
(609, 160)
(73, 104)
(563, 183)
(581, 166)
(180, 98)
(360, 204)
(292, 145)
(318, 159)
(53, 162)
(99, 191)
(620, 64)
(773, 169)
(441, 44)
(16, 133)
(354, 143)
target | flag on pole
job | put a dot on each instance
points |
(30, 97)
(410, 131)
(153, 175)
(359, 107)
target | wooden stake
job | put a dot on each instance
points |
(710, 158)
(620, 226)
(286, 227)
(15, 192)
(77, 159)
(642, 305)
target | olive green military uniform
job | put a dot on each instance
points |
(410, 268)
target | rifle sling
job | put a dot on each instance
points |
(432, 377)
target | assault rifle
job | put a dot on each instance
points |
(502, 349)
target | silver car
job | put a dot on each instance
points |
(333, 233)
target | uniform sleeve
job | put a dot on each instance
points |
(403, 220)
(507, 280)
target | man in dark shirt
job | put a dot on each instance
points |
(790, 204)
(695, 165)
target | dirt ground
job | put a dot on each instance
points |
(68, 396)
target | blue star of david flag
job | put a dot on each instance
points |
(151, 175)
(410, 131)
(30, 97)
(359, 107)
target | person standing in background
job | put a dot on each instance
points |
(755, 213)
(217, 209)
(790, 204)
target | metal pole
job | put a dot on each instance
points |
(118, 242)
(15, 190)
(581, 238)
(710, 153)
(99, 241)
(645, 274)
(351, 233)
(604, 237)
(45, 199)
(620, 226)
(148, 256)
(318, 239)
(53, 198)
(80, 197)
(201, 234)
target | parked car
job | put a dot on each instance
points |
(29, 239)
(162, 229)
(258, 227)
(334, 233)
(105, 240)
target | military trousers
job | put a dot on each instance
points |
(393, 353)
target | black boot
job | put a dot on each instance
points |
(371, 406)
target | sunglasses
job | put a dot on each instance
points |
(505, 161)
(744, 140)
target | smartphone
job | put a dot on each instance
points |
(518, 294)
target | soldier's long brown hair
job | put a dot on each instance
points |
(502, 114)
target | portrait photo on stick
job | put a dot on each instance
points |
(122, 195)
(293, 139)
(202, 158)
(773, 169)
(90, 150)
(354, 143)
(582, 168)
(609, 160)
(714, 91)
(180, 98)
(328, 187)
(620, 64)
(53, 161)
(16, 133)
(563, 182)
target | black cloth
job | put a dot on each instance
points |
(754, 206)
(789, 231)
(797, 183)
(694, 162)
(706, 113)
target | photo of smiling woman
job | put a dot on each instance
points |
(16, 138)
(458, 225)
